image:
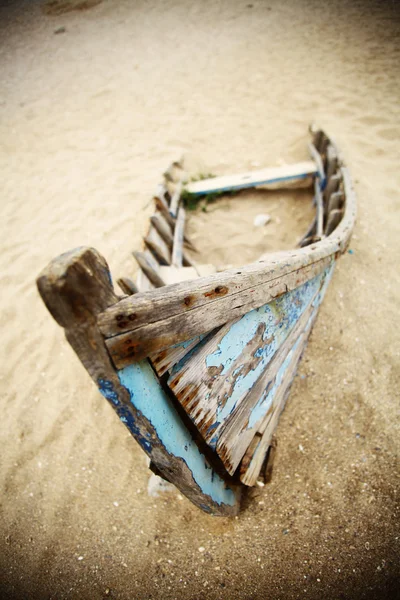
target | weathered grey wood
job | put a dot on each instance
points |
(162, 206)
(173, 207)
(274, 177)
(315, 155)
(75, 288)
(185, 325)
(177, 250)
(336, 201)
(148, 270)
(143, 283)
(174, 302)
(165, 360)
(332, 186)
(319, 209)
(163, 228)
(251, 471)
(127, 286)
(332, 161)
(154, 242)
(333, 221)
(234, 434)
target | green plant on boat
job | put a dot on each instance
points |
(194, 201)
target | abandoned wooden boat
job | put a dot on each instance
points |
(198, 365)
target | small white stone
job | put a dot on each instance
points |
(201, 549)
(80, 557)
(115, 503)
(261, 220)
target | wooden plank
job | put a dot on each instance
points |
(181, 306)
(75, 287)
(157, 246)
(148, 270)
(258, 407)
(273, 176)
(315, 155)
(165, 231)
(143, 341)
(162, 206)
(250, 472)
(333, 221)
(173, 207)
(336, 201)
(127, 286)
(332, 161)
(212, 383)
(165, 360)
(177, 250)
(179, 299)
(319, 205)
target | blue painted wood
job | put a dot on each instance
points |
(244, 367)
(148, 397)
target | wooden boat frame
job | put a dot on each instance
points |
(149, 351)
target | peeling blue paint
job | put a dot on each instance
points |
(279, 318)
(150, 399)
(107, 389)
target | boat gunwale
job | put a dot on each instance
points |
(274, 264)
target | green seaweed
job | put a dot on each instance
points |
(195, 201)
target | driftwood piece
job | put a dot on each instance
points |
(160, 250)
(148, 269)
(273, 177)
(75, 288)
(177, 250)
(127, 286)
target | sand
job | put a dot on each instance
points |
(90, 116)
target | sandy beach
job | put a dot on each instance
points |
(96, 99)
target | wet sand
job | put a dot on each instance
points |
(89, 118)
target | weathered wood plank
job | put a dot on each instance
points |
(177, 250)
(271, 177)
(160, 250)
(162, 206)
(315, 155)
(148, 269)
(173, 207)
(179, 299)
(212, 383)
(143, 341)
(127, 286)
(319, 205)
(75, 288)
(259, 406)
(333, 221)
(165, 360)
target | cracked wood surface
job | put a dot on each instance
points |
(75, 287)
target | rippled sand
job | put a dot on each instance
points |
(89, 118)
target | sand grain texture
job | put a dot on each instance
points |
(88, 120)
